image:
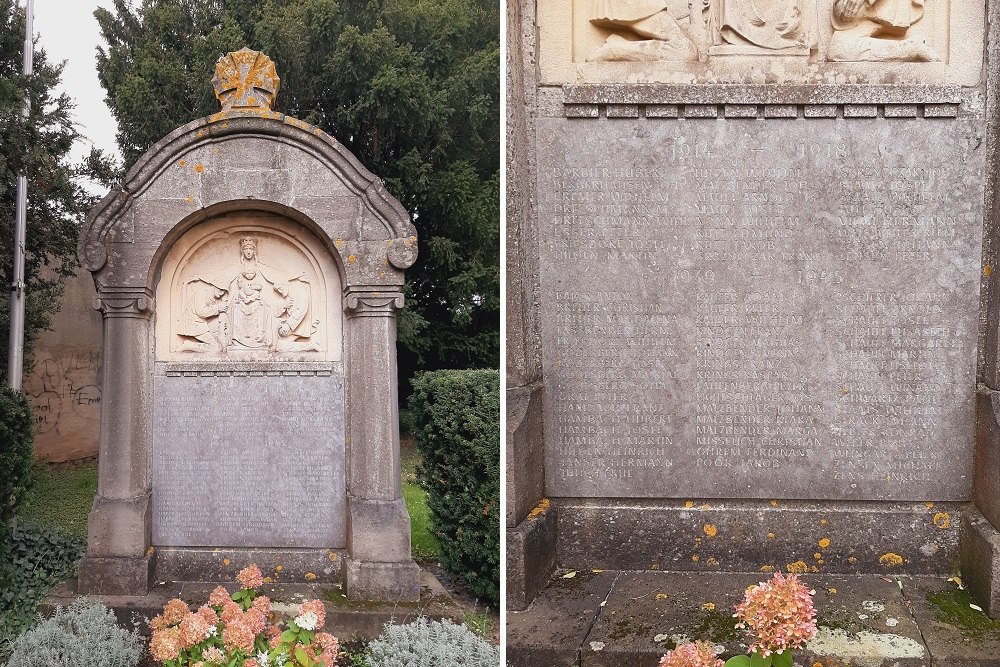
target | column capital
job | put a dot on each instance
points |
(124, 302)
(372, 301)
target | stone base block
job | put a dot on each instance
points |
(531, 556)
(525, 451)
(981, 561)
(387, 582)
(119, 528)
(751, 536)
(115, 576)
(986, 488)
(379, 530)
(299, 566)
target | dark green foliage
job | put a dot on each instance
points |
(32, 560)
(39, 148)
(17, 452)
(412, 87)
(456, 419)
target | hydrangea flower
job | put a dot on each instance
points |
(779, 613)
(691, 654)
(307, 621)
(250, 577)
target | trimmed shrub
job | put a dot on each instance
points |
(456, 426)
(17, 452)
(426, 643)
(86, 634)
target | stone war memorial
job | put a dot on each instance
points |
(752, 299)
(248, 271)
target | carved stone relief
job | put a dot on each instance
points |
(248, 292)
(878, 30)
(760, 41)
(764, 27)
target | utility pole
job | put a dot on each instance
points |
(15, 359)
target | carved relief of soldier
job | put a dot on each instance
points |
(691, 30)
(252, 306)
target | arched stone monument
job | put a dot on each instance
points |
(248, 271)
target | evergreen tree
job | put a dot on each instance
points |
(411, 87)
(38, 148)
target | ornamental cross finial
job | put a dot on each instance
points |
(245, 79)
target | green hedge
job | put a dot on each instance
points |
(17, 452)
(456, 426)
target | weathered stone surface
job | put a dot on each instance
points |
(735, 536)
(210, 430)
(221, 565)
(525, 451)
(118, 575)
(531, 555)
(980, 560)
(863, 620)
(771, 309)
(550, 632)
(382, 581)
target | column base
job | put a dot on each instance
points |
(383, 582)
(115, 576)
(379, 531)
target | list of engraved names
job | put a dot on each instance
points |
(756, 308)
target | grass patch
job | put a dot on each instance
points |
(61, 497)
(423, 543)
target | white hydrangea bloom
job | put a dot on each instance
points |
(307, 621)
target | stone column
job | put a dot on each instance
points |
(119, 558)
(378, 527)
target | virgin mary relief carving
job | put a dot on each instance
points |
(247, 295)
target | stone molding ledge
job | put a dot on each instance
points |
(753, 111)
(372, 302)
(764, 101)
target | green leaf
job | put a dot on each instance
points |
(303, 659)
(783, 659)
(738, 661)
(289, 637)
(757, 660)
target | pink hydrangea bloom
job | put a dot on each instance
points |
(316, 607)
(214, 655)
(262, 603)
(165, 644)
(175, 611)
(219, 596)
(194, 629)
(328, 646)
(238, 633)
(779, 613)
(691, 654)
(250, 577)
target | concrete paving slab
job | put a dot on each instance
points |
(551, 631)
(955, 633)
(865, 621)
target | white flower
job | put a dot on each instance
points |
(262, 659)
(211, 632)
(307, 621)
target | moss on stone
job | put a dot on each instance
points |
(952, 607)
(718, 627)
(628, 627)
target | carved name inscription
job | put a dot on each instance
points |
(248, 461)
(763, 309)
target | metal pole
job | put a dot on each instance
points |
(15, 359)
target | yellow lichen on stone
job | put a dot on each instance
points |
(891, 560)
(942, 520)
(798, 567)
(824, 542)
(541, 508)
(710, 530)
(694, 557)
(226, 561)
(767, 568)
(708, 606)
(662, 596)
(310, 576)
(688, 504)
(245, 80)
(770, 536)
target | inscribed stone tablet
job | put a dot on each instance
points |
(248, 461)
(760, 308)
